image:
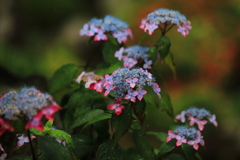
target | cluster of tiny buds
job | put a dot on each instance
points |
(125, 83)
(99, 28)
(29, 105)
(182, 134)
(166, 17)
(134, 54)
(198, 116)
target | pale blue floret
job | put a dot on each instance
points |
(137, 52)
(186, 132)
(198, 113)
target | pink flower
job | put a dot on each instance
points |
(62, 142)
(118, 54)
(49, 111)
(180, 140)
(150, 27)
(132, 81)
(200, 137)
(194, 143)
(143, 24)
(181, 117)
(131, 95)
(129, 62)
(192, 120)
(141, 93)
(89, 82)
(201, 124)
(98, 86)
(117, 107)
(121, 36)
(4, 126)
(100, 35)
(212, 119)
(147, 64)
(35, 122)
(93, 30)
(171, 135)
(184, 30)
(84, 30)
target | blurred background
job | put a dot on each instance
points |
(37, 37)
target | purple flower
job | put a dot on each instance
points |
(117, 107)
(129, 62)
(212, 119)
(100, 35)
(150, 27)
(147, 64)
(84, 30)
(118, 54)
(180, 140)
(141, 93)
(181, 117)
(93, 30)
(131, 95)
(171, 135)
(132, 81)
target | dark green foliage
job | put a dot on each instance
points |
(166, 147)
(102, 129)
(170, 62)
(120, 123)
(163, 46)
(63, 136)
(86, 116)
(132, 154)
(18, 125)
(139, 108)
(108, 52)
(153, 53)
(109, 151)
(165, 104)
(62, 78)
(52, 149)
(189, 151)
(142, 144)
(83, 145)
(174, 157)
(21, 157)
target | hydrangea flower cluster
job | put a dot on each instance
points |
(132, 55)
(198, 116)
(182, 134)
(89, 78)
(166, 17)
(191, 135)
(99, 28)
(29, 105)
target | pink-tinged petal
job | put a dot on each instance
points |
(118, 54)
(118, 111)
(78, 80)
(3, 156)
(196, 146)
(213, 120)
(112, 106)
(35, 123)
(201, 124)
(178, 143)
(181, 117)
(121, 107)
(1, 148)
(192, 120)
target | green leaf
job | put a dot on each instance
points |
(166, 147)
(48, 126)
(106, 151)
(143, 145)
(99, 118)
(174, 157)
(63, 77)
(132, 154)
(169, 61)
(36, 132)
(83, 145)
(108, 52)
(110, 69)
(139, 110)
(153, 53)
(121, 123)
(78, 99)
(87, 116)
(151, 97)
(113, 40)
(188, 151)
(163, 46)
(67, 118)
(18, 125)
(160, 135)
(142, 38)
(102, 129)
(63, 136)
(52, 149)
(165, 103)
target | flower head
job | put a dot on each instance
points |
(99, 28)
(133, 55)
(168, 18)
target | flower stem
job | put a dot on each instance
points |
(30, 142)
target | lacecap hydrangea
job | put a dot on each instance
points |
(100, 28)
(134, 55)
(29, 104)
(168, 18)
(125, 83)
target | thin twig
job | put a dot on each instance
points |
(30, 141)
